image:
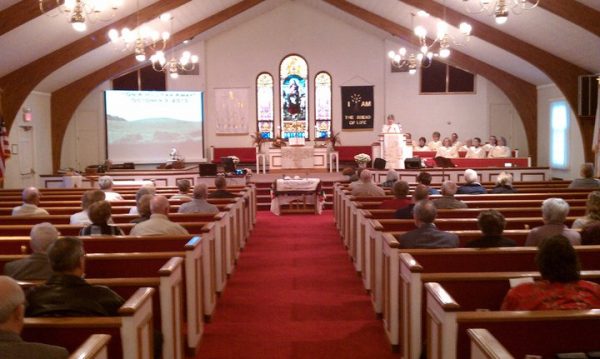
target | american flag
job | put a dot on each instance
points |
(4, 147)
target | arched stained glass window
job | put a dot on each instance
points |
(293, 74)
(264, 105)
(322, 105)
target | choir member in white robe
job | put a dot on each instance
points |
(447, 150)
(476, 151)
(500, 151)
(455, 142)
(493, 142)
(435, 143)
(391, 126)
(422, 145)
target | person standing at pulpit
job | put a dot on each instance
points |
(390, 126)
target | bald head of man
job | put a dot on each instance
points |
(12, 305)
(42, 236)
(31, 195)
(200, 191)
(159, 205)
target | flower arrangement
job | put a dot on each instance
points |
(362, 158)
(258, 139)
(335, 140)
(235, 159)
(278, 142)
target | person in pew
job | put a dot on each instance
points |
(476, 151)
(590, 235)
(31, 200)
(106, 183)
(401, 199)
(143, 207)
(159, 223)
(587, 179)
(183, 186)
(592, 212)
(100, 213)
(491, 223)
(426, 235)
(435, 143)
(365, 187)
(424, 178)
(37, 265)
(221, 192)
(12, 310)
(88, 198)
(501, 150)
(446, 150)
(560, 288)
(144, 190)
(390, 179)
(554, 212)
(66, 293)
(448, 201)
(422, 145)
(504, 184)
(471, 186)
(420, 193)
(199, 203)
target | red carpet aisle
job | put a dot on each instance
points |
(294, 294)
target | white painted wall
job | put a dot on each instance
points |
(547, 94)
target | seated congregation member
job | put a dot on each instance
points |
(106, 183)
(560, 288)
(365, 187)
(501, 150)
(183, 186)
(448, 201)
(554, 212)
(435, 142)
(426, 235)
(350, 172)
(455, 142)
(31, 200)
(419, 194)
(504, 184)
(142, 191)
(587, 179)
(12, 315)
(476, 151)
(421, 145)
(221, 192)
(471, 186)
(35, 266)
(100, 213)
(199, 203)
(446, 150)
(491, 223)
(592, 212)
(159, 223)
(492, 142)
(143, 207)
(88, 198)
(390, 179)
(590, 234)
(66, 293)
(424, 178)
(400, 191)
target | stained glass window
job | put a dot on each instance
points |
(322, 105)
(293, 74)
(264, 105)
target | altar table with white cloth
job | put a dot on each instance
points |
(301, 190)
(292, 157)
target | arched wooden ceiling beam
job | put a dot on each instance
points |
(18, 84)
(65, 101)
(20, 13)
(579, 14)
(563, 73)
(522, 94)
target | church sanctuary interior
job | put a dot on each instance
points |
(301, 178)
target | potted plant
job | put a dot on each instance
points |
(334, 140)
(257, 141)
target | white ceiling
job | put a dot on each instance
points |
(547, 31)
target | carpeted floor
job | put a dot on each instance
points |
(294, 294)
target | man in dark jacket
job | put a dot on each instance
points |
(221, 192)
(427, 235)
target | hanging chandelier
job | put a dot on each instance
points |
(500, 8)
(140, 38)
(79, 12)
(186, 62)
(402, 60)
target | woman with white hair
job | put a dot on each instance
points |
(471, 186)
(504, 184)
(554, 211)
(391, 178)
(105, 183)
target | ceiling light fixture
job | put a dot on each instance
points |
(500, 8)
(79, 12)
(187, 61)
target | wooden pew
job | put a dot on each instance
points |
(95, 347)
(447, 325)
(485, 346)
(131, 331)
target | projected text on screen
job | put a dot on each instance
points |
(143, 126)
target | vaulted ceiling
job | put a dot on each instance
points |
(553, 43)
